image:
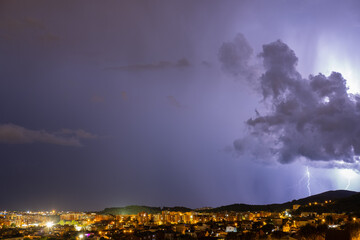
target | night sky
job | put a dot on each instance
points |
(177, 103)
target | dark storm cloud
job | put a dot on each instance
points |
(235, 57)
(315, 118)
(181, 63)
(14, 134)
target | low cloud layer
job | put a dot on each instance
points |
(14, 134)
(313, 118)
(181, 63)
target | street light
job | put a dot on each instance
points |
(78, 228)
(49, 224)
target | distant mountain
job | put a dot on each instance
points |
(245, 207)
(134, 209)
(177, 209)
(330, 195)
(346, 204)
(342, 200)
(322, 197)
(349, 204)
(131, 210)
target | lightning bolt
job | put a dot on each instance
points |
(308, 180)
(305, 178)
(348, 184)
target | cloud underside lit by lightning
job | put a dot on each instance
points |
(348, 174)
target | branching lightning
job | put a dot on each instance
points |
(349, 182)
(308, 180)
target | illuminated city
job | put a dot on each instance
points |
(303, 219)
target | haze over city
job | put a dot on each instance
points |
(181, 103)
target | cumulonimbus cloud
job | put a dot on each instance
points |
(14, 134)
(313, 118)
(236, 56)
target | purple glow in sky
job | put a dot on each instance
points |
(192, 103)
